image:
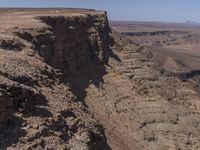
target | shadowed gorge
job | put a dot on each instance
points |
(52, 51)
(69, 81)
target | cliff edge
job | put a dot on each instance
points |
(67, 81)
(39, 49)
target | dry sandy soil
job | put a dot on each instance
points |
(68, 81)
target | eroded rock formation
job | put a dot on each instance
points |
(66, 82)
(38, 109)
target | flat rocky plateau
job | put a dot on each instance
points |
(68, 81)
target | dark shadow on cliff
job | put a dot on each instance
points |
(88, 75)
(114, 56)
(37, 107)
(26, 103)
(26, 100)
(91, 73)
(80, 54)
(112, 43)
(13, 131)
(82, 78)
(29, 102)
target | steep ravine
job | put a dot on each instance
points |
(69, 82)
(142, 108)
(39, 107)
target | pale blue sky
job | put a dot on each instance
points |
(142, 10)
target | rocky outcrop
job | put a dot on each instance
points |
(71, 42)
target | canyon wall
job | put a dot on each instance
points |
(68, 43)
(34, 62)
(67, 83)
(71, 42)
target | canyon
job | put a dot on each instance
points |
(70, 81)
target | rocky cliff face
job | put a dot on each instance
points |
(68, 43)
(71, 42)
(38, 109)
(58, 76)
